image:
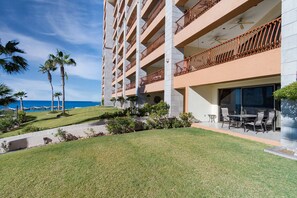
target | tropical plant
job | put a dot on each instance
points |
(113, 100)
(10, 61)
(121, 125)
(133, 100)
(47, 68)
(6, 96)
(62, 59)
(122, 100)
(57, 95)
(288, 92)
(21, 95)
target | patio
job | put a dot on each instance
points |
(270, 137)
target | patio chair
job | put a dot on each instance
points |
(225, 113)
(257, 122)
(270, 120)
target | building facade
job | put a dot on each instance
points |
(201, 55)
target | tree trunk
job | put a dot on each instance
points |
(52, 105)
(58, 103)
(63, 89)
(52, 89)
(21, 103)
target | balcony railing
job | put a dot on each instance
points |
(130, 86)
(132, 21)
(120, 74)
(196, 11)
(132, 42)
(113, 68)
(120, 89)
(132, 64)
(151, 78)
(143, 3)
(113, 79)
(120, 58)
(153, 14)
(263, 38)
(154, 45)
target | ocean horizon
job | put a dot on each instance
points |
(46, 103)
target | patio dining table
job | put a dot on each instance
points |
(241, 117)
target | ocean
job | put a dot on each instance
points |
(39, 103)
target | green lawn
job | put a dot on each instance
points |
(161, 163)
(50, 120)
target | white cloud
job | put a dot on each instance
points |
(36, 50)
(40, 90)
(87, 67)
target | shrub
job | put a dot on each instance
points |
(102, 102)
(121, 125)
(64, 136)
(177, 123)
(108, 115)
(7, 123)
(32, 128)
(122, 100)
(92, 133)
(186, 119)
(22, 117)
(161, 109)
(5, 146)
(288, 92)
(113, 100)
(145, 110)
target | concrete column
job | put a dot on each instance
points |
(172, 56)
(139, 48)
(288, 72)
(107, 53)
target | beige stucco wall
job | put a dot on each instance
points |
(203, 100)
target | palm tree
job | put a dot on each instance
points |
(10, 62)
(57, 95)
(62, 59)
(6, 96)
(47, 68)
(21, 95)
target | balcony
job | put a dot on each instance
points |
(120, 89)
(132, 42)
(130, 86)
(113, 91)
(153, 46)
(151, 78)
(143, 3)
(153, 14)
(131, 23)
(258, 40)
(120, 74)
(129, 66)
(196, 11)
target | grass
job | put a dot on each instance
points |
(49, 120)
(161, 163)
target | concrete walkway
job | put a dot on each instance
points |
(271, 138)
(34, 139)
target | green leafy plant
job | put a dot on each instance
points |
(32, 128)
(102, 102)
(22, 117)
(121, 125)
(7, 123)
(122, 100)
(113, 100)
(186, 119)
(64, 136)
(288, 92)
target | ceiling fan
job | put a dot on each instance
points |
(217, 39)
(241, 22)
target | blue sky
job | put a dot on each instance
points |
(42, 26)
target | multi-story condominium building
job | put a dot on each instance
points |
(201, 55)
